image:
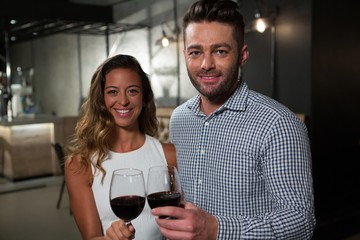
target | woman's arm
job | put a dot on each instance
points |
(81, 197)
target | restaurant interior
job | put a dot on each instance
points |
(307, 57)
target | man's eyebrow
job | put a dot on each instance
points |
(220, 45)
(194, 46)
(214, 46)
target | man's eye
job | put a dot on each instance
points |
(221, 52)
(194, 53)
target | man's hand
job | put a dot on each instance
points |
(186, 223)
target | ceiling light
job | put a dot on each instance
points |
(165, 40)
(260, 23)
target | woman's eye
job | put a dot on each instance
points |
(111, 92)
(133, 91)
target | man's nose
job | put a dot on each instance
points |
(208, 62)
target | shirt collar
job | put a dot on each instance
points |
(236, 102)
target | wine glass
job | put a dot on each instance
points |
(127, 193)
(163, 187)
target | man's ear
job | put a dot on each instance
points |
(244, 54)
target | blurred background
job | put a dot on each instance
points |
(305, 55)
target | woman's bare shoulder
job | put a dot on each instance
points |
(170, 153)
(73, 162)
(74, 169)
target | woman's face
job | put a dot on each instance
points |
(123, 96)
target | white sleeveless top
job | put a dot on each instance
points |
(150, 154)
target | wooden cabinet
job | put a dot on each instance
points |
(25, 149)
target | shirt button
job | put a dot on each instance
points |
(202, 152)
(207, 124)
(200, 181)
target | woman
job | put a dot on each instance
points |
(116, 130)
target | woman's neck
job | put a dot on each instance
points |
(127, 141)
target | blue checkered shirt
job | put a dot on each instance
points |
(248, 164)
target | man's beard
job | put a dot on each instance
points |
(226, 87)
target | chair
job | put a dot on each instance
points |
(61, 158)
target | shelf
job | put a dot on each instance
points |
(28, 30)
(41, 18)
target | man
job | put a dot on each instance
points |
(244, 159)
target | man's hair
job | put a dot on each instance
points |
(223, 11)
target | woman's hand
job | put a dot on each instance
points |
(119, 230)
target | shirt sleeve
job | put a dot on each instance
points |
(286, 164)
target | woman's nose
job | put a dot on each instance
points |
(123, 99)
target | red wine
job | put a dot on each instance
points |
(161, 199)
(127, 208)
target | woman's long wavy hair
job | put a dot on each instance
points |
(94, 129)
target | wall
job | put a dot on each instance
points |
(336, 118)
(292, 54)
(64, 64)
(63, 71)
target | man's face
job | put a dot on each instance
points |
(212, 59)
